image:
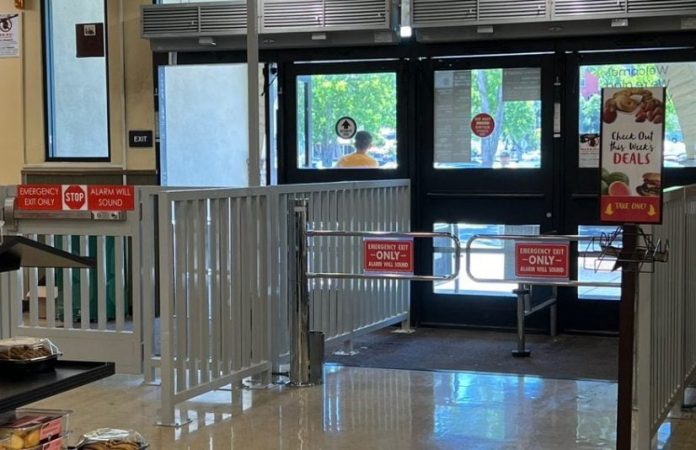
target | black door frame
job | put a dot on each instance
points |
(288, 170)
(447, 195)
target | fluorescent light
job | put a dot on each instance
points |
(406, 31)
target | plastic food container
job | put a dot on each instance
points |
(112, 439)
(33, 428)
(54, 444)
(25, 355)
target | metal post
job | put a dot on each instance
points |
(299, 295)
(629, 286)
(253, 94)
(522, 291)
(553, 313)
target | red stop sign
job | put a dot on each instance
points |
(74, 197)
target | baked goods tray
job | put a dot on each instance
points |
(66, 375)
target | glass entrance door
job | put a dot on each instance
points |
(487, 165)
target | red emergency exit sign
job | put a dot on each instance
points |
(75, 197)
(388, 255)
(542, 260)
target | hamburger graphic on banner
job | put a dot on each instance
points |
(633, 121)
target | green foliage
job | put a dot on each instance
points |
(625, 75)
(517, 122)
(370, 99)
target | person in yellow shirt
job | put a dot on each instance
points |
(359, 158)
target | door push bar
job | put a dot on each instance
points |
(389, 234)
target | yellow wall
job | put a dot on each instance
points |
(130, 91)
(11, 122)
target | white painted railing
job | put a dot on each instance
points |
(213, 282)
(90, 314)
(223, 279)
(195, 282)
(666, 335)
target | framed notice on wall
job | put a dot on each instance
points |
(632, 139)
(10, 34)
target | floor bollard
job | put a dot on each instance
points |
(316, 357)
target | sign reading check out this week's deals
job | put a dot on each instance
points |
(74, 197)
(633, 128)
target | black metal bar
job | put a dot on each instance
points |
(626, 335)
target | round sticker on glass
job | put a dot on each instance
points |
(483, 125)
(346, 128)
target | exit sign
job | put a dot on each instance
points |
(140, 138)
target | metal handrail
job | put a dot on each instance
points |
(389, 234)
(534, 281)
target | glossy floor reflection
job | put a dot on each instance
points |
(360, 408)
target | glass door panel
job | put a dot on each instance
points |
(680, 122)
(369, 99)
(488, 118)
(486, 166)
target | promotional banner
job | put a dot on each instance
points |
(631, 142)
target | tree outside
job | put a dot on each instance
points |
(368, 98)
(515, 106)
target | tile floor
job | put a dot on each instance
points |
(358, 408)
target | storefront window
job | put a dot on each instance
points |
(594, 266)
(488, 119)
(362, 105)
(680, 121)
(490, 258)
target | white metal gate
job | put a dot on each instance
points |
(91, 314)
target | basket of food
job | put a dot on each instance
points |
(34, 429)
(26, 355)
(112, 439)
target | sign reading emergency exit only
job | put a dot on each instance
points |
(542, 260)
(388, 255)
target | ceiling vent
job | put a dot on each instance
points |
(498, 11)
(282, 24)
(193, 20)
(661, 7)
(584, 9)
(326, 15)
(443, 12)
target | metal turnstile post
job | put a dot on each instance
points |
(523, 291)
(299, 295)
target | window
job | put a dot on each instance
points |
(488, 118)
(369, 99)
(680, 139)
(490, 258)
(593, 266)
(76, 82)
(204, 121)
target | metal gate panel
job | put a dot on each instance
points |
(91, 314)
